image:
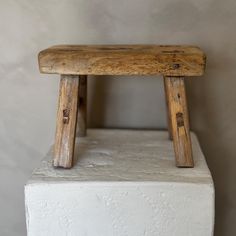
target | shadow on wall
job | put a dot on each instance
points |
(98, 100)
(126, 102)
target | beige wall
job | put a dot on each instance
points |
(28, 99)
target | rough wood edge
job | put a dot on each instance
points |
(169, 123)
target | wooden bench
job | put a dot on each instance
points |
(75, 62)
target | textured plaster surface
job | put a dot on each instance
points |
(28, 99)
(124, 183)
(126, 155)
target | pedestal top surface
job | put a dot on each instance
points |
(125, 156)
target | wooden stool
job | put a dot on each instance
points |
(75, 62)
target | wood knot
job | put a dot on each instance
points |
(66, 113)
(180, 119)
(176, 66)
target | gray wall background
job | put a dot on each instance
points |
(28, 100)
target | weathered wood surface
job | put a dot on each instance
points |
(82, 107)
(66, 121)
(169, 123)
(179, 119)
(123, 60)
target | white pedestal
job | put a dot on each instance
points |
(124, 184)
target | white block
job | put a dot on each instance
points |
(124, 184)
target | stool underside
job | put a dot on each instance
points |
(167, 60)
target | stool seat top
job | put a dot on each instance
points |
(168, 60)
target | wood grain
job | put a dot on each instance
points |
(82, 107)
(123, 60)
(66, 121)
(169, 123)
(180, 122)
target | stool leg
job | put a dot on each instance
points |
(168, 111)
(82, 107)
(66, 121)
(175, 88)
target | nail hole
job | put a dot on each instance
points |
(66, 116)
